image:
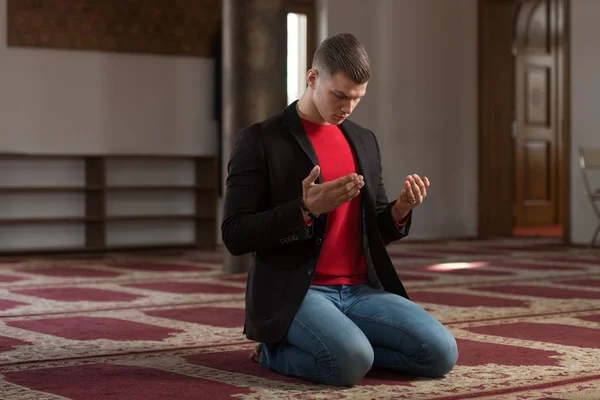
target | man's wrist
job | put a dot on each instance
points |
(399, 213)
(306, 210)
(306, 217)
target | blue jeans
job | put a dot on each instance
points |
(341, 332)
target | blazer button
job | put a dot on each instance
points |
(319, 241)
(311, 271)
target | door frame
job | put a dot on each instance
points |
(496, 81)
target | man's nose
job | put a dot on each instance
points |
(348, 108)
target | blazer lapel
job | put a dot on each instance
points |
(357, 144)
(296, 128)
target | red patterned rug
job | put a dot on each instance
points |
(526, 314)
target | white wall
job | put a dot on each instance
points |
(421, 103)
(422, 100)
(96, 102)
(59, 101)
(585, 118)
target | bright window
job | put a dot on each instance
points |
(296, 56)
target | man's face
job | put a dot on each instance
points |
(335, 97)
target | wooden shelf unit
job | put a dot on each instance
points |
(96, 189)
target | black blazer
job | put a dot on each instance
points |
(262, 215)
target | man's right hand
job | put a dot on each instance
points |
(325, 197)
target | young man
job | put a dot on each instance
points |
(305, 196)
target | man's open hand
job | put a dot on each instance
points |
(413, 193)
(325, 197)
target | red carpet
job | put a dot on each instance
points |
(526, 314)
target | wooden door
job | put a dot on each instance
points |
(536, 128)
(496, 113)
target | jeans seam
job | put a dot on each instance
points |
(332, 361)
(401, 328)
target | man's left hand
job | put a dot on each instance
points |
(412, 195)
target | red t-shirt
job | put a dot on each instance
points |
(342, 260)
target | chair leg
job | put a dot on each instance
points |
(595, 236)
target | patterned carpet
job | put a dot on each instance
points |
(526, 314)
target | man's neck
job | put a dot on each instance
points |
(307, 110)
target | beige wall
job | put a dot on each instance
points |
(422, 100)
(585, 107)
(60, 101)
(74, 101)
(421, 103)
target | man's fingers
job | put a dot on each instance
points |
(357, 182)
(416, 188)
(344, 184)
(353, 193)
(344, 180)
(312, 177)
(403, 192)
(417, 191)
(410, 195)
(338, 191)
(350, 191)
(339, 183)
(418, 181)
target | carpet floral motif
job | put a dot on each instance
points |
(525, 313)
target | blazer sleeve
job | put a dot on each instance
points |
(389, 229)
(248, 224)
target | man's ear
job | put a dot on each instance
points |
(311, 78)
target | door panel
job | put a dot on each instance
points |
(537, 111)
(536, 144)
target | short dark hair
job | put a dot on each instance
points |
(343, 53)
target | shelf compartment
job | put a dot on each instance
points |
(151, 188)
(173, 217)
(46, 189)
(43, 220)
